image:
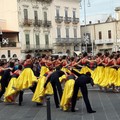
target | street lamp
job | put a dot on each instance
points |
(85, 35)
(1, 35)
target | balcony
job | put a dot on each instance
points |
(75, 20)
(58, 19)
(99, 42)
(11, 44)
(37, 23)
(68, 40)
(33, 47)
(46, 23)
(27, 22)
(67, 20)
(109, 41)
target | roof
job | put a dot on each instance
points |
(9, 31)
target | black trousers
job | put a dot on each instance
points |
(3, 87)
(22, 92)
(57, 89)
(84, 92)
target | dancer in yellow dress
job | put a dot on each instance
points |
(41, 92)
(65, 103)
(27, 79)
(11, 94)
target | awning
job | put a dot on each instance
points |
(77, 52)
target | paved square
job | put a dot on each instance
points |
(107, 106)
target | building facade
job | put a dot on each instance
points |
(9, 30)
(102, 36)
(49, 27)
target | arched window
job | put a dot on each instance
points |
(3, 56)
(14, 56)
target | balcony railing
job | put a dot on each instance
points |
(67, 20)
(36, 47)
(11, 44)
(27, 22)
(37, 23)
(68, 40)
(100, 42)
(59, 19)
(109, 41)
(75, 20)
(46, 23)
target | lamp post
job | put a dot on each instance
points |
(1, 35)
(86, 40)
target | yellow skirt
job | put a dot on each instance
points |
(10, 93)
(62, 78)
(43, 70)
(26, 79)
(85, 69)
(40, 91)
(97, 74)
(117, 83)
(104, 80)
(66, 70)
(112, 76)
(67, 94)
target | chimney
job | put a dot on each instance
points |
(90, 22)
(98, 21)
(117, 9)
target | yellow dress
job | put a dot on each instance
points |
(67, 94)
(40, 91)
(104, 80)
(85, 69)
(117, 83)
(63, 77)
(43, 70)
(10, 93)
(26, 79)
(112, 76)
(66, 70)
(97, 74)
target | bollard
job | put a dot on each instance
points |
(48, 109)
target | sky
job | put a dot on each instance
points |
(98, 7)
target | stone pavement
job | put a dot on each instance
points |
(107, 106)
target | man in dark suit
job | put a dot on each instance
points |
(81, 82)
(56, 85)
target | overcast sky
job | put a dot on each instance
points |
(99, 7)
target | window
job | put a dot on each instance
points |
(45, 16)
(75, 32)
(14, 56)
(27, 38)
(3, 56)
(46, 40)
(74, 14)
(57, 12)
(37, 40)
(67, 32)
(100, 35)
(66, 13)
(36, 15)
(109, 34)
(58, 32)
(25, 14)
(9, 53)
